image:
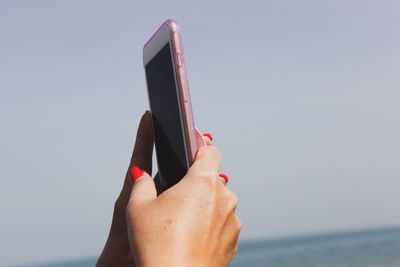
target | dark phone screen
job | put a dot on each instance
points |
(170, 147)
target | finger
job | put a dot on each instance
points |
(199, 139)
(208, 139)
(223, 178)
(143, 152)
(207, 161)
(144, 189)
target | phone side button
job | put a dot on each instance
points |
(180, 60)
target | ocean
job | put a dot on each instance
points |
(373, 248)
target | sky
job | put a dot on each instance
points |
(301, 97)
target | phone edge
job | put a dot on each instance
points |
(182, 84)
(183, 91)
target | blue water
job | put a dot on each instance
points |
(379, 248)
(376, 248)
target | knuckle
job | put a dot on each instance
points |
(215, 151)
(238, 224)
(235, 249)
(208, 178)
(207, 151)
(202, 152)
(231, 200)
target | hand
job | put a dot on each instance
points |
(191, 224)
(117, 251)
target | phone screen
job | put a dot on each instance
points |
(164, 103)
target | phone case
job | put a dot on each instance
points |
(189, 131)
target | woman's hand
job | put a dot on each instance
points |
(117, 251)
(191, 224)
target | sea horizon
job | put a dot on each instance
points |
(348, 248)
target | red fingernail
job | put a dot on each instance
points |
(225, 177)
(208, 135)
(147, 111)
(135, 173)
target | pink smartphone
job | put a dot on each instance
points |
(170, 105)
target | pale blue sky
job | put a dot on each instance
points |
(302, 98)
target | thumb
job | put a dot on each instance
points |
(143, 189)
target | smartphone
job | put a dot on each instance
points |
(170, 105)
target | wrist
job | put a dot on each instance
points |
(116, 252)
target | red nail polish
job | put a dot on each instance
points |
(135, 173)
(208, 135)
(225, 177)
(147, 111)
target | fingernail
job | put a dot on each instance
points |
(225, 177)
(147, 111)
(208, 135)
(135, 173)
